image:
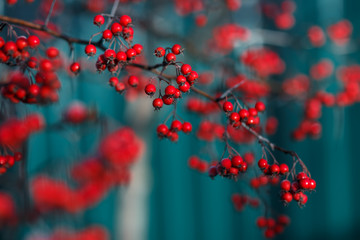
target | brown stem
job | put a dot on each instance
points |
(42, 28)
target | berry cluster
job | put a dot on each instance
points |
(322, 69)
(209, 131)
(41, 83)
(14, 132)
(273, 227)
(281, 14)
(172, 133)
(185, 77)
(249, 88)
(120, 51)
(94, 176)
(264, 180)
(196, 163)
(263, 61)
(316, 36)
(274, 169)
(226, 36)
(77, 113)
(8, 215)
(229, 167)
(240, 201)
(200, 106)
(295, 190)
(248, 116)
(8, 161)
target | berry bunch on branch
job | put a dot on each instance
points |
(227, 80)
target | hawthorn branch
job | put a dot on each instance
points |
(42, 28)
(153, 69)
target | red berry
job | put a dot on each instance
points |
(286, 197)
(252, 112)
(304, 183)
(107, 35)
(170, 58)
(244, 114)
(228, 106)
(180, 79)
(90, 50)
(176, 125)
(120, 87)
(130, 53)
(226, 163)
(21, 43)
(158, 103)
(170, 90)
(243, 167)
(3, 160)
(301, 175)
(294, 186)
(234, 117)
(312, 184)
(177, 93)
(186, 127)
(75, 68)
(52, 52)
(32, 63)
(150, 89)
(261, 222)
(284, 168)
(99, 20)
(138, 48)
(193, 162)
(269, 233)
(285, 185)
(116, 29)
(162, 130)
(46, 65)
(10, 160)
(176, 49)
(33, 41)
(133, 81)
(236, 161)
(185, 87)
(125, 20)
(110, 54)
(9, 48)
(121, 56)
(192, 76)
(260, 106)
(128, 33)
(283, 220)
(113, 81)
(303, 198)
(34, 90)
(212, 171)
(168, 100)
(234, 171)
(159, 52)
(262, 163)
(185, 69)
(274, 169)
(2, 42)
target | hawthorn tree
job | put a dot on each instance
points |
(219, 69)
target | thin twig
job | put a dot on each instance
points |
(49, 14)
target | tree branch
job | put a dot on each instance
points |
(42, 28)
(154, 70)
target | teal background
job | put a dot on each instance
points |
(182, 203)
